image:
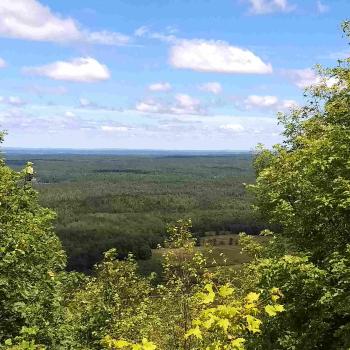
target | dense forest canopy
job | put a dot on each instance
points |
(125, 201)
(294, 294)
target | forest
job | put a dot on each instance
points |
(104, 201)
(293, 293)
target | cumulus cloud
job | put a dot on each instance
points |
(2, 63)
(212, 87)
(159, 87)
(268, 102)
(321, 8)
(182, 104)
(216, 56)
(30, 20)
(262, 7)
(82, 69)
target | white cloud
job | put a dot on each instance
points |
(82, 69)
(186, 104)
(160, 87)
(183, 104)
(216, 56)
(2, 63)
(150, 106)
(232, 127)
(213, 87)
(146, 32)
(321, 8)
(304, 78)
(262, 7)
(107, 38)
(109, 128)
(30, 20)
(266, 102)
(261, 101)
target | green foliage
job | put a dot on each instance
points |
(31, 258)
(303, 185)
(114, 302)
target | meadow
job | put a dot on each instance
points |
(126, 200)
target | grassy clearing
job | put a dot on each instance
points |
(226, 252)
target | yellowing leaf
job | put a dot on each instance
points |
(275, 290)
(209, 322)
(279, 307)
(275, 297)
(209, 297)
(272, 310)
(253, 324)
(136, 347)
(196, 332)
(119, 344)
(196, 322)
(237, 344)
(147, 345)
(225, 291)
(252, 297)
(224, 323)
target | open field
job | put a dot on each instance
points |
(225, 252)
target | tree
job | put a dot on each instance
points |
(31, 257)
(303, 185)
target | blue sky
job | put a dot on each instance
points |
(159, 74)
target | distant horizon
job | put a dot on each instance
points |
(99, 150)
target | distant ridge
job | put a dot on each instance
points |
(121, 152)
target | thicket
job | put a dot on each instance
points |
(293, 295)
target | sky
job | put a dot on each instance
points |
(160, 74)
